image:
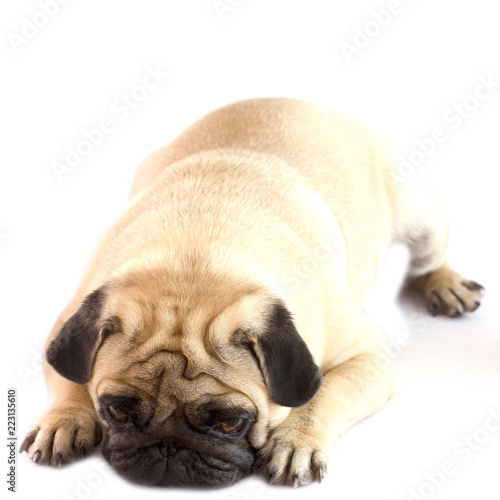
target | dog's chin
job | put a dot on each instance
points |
(174, 462)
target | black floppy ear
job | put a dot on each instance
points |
(73, 351)
(291, 375)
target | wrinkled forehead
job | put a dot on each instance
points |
(180, 347)
(162, 352)
(160, 349)
(161, 376)
(154, 318)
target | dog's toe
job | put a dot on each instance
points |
(447, 292)
(62, 436)
(292, 457)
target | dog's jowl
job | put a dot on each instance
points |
(218, 330)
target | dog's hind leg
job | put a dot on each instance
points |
(422, 224)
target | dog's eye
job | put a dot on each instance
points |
(119, 415)
(232, 425)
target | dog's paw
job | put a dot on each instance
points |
(447, 292)
(292, 457)
(63, 435)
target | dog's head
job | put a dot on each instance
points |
(186, 380)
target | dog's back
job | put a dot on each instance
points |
(345, 164)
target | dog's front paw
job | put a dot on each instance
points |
(63, 435)
(293, 457)
(447, 292)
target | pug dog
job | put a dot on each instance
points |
(219, 329)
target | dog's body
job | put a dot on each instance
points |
(230, 290)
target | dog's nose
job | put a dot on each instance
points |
(163, 449)
(167, 447)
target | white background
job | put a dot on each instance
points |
(428, 58)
